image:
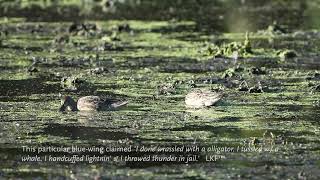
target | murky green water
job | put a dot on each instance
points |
(134, 60)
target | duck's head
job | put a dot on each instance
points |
(68, 104)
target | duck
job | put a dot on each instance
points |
(202, 98)
(90, 103)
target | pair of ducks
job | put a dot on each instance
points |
(196, 99)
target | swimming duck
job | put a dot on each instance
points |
(202, 98)
(90, 103)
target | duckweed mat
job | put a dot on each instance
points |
(264, 57)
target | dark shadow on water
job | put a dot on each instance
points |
(142, 62)
(28, 175)
(21, 48)
(226, 131)
(82, 132)
(175, 28)
(175, 65)
(212, 65)
(9, 68)
(26, 87)
(209, 15)
(229, 119)
(22, 99)
(289, 107)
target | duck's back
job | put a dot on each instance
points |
(200, 99)
(89, 103)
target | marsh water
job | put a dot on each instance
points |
(153, 54)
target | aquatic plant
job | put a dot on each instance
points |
(286, 54)
(233, 49)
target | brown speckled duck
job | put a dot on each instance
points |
(90, 103)
(202, 98)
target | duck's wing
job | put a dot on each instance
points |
(114, 103)
(89, 103)
(193, 100)
(119, 104)
(211, 98)
(200, 99)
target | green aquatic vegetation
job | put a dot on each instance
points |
(286, 54)
(73, 83)
(113, 37)
(136, 73)
(233, 49)
(2, 37)
(273, 30)
(229, 73)
(62, 39)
